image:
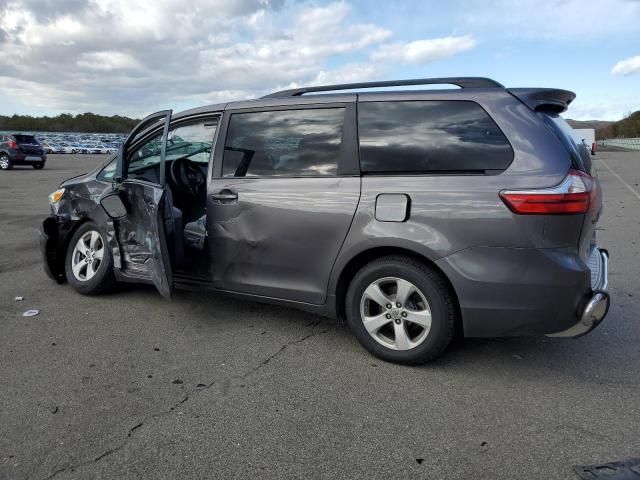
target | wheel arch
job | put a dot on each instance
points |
(58, 232)
(364, 257)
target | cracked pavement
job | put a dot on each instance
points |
(129, 385)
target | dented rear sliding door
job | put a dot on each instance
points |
(282, 198)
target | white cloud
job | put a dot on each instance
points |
(627, 67)
(424, 51)
(118, 56)
(110, 60)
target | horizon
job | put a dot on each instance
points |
(111, 58)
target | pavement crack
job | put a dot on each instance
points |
(187, 396)
(96, 459)
(283, 348)
(130, 433)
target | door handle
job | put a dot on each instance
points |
(224, 196)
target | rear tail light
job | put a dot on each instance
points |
(12, 144)
(574, 195)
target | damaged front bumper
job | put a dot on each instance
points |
(597, 306)
(53, 233)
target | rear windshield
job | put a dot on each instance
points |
(26, 139)
(578, 151)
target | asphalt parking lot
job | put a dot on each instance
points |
(130, 385)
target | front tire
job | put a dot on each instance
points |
(89, 263)
(401, 310)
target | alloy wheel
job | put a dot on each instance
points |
(395, 313)
(87, 255)
(4, 162)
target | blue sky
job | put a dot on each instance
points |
(120, 57)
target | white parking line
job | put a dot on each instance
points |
(631, 189)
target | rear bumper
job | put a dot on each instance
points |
(21, 158)
(597, 306)
(520, 291)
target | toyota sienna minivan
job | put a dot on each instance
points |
(413, 216)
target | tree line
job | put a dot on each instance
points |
(66, 122)
(628, 127)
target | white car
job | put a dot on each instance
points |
(104, 148)
(67, 148)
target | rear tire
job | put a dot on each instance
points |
(89, 263)
(38, 166)
(5, 162)
(414, 319)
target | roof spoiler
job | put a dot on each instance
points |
(549, 99)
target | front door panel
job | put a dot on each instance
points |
(279, 237)
(142, 237)
(141, 232)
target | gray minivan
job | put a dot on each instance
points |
(412, 215)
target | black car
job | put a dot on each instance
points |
(20, 149)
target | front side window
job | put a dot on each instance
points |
(284, 143)
(145, 156)
(430, 136)
(192, 140)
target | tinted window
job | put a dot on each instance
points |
(578, 151)
(430, 136)
(284, 143)
(26, 139)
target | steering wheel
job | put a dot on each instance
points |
(187, 176)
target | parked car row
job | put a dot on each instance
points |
(79, 148)
(88, 143)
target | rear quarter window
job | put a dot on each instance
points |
(578, 151)
(430, 137)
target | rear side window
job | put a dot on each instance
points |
(430, 137)
(284, 143)
(578, 151)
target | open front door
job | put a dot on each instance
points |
(140, 206)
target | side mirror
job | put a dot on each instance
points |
(113, 205)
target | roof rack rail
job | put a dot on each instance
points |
(462, 82)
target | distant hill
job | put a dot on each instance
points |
(628, 127)
(82, 123)
(595, 124)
